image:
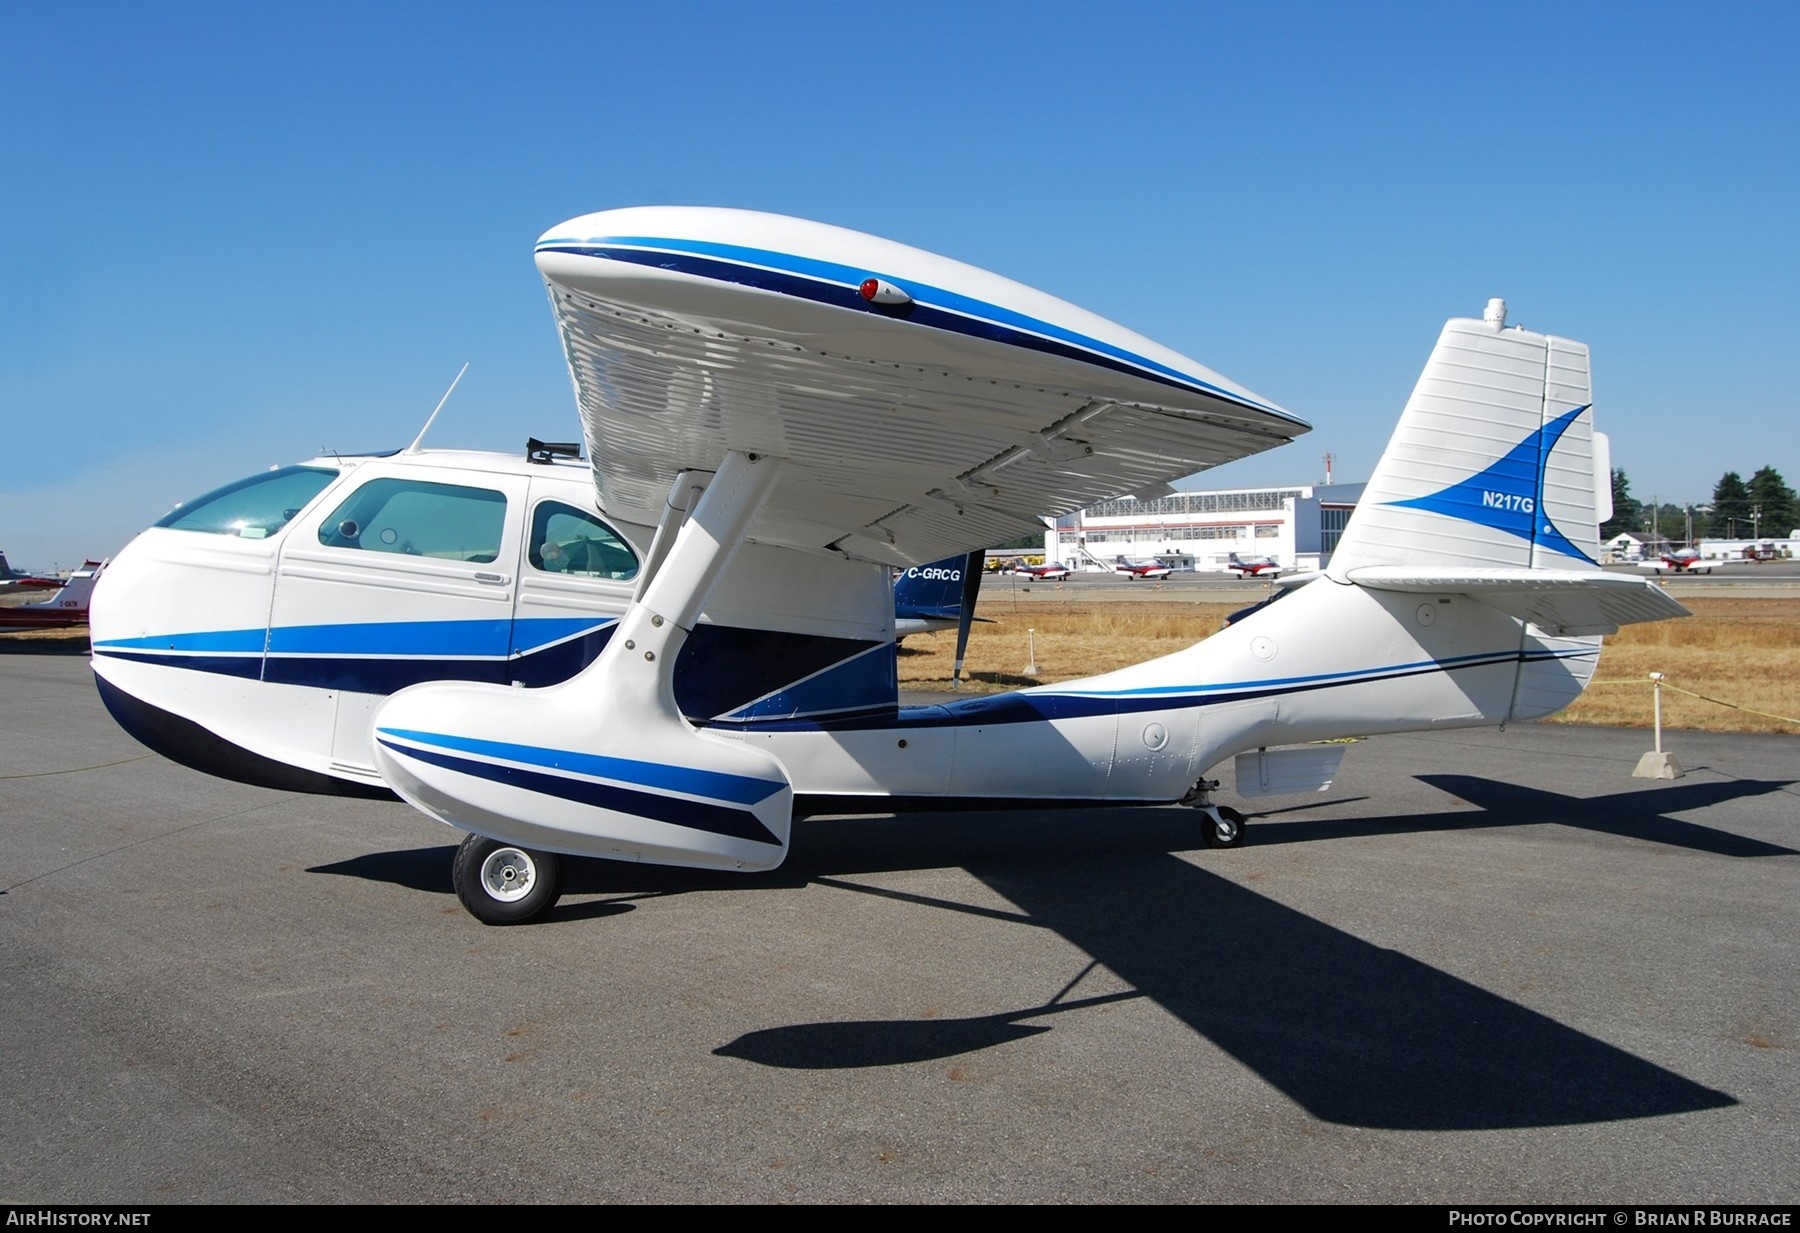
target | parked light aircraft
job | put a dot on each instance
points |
(668, 654)
(1255, 567)
(1133, 570)
(1684, 561)
(67, 608)
(1049, 571)
(12, 580)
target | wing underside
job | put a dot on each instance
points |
(907, 436)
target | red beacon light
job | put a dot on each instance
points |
(879, 291)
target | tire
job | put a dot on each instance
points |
(502, 883)
(1229, 831)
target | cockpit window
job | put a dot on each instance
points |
(564, 540)
(420, 519)
(253, 508)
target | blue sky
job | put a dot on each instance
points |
(237, 234)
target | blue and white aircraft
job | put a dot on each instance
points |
(669, 653)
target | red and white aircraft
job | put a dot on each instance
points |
(1142, 569)
(1256, 567)
(1685, 561)
(1049, 571)
(69, 606)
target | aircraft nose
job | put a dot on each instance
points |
(113, 598)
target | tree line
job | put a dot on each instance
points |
(1765, 508)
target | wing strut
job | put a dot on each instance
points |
(965, 616)
(605, 764)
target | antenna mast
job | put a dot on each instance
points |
(419, 440)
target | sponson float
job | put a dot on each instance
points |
(667, 652)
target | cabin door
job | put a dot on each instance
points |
(410, 576)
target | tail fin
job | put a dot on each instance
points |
(935, 595)
(1495, 461)
(79, 589)
(940, 595)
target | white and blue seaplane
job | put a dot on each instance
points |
(669, 651)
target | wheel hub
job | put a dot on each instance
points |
(507, 874)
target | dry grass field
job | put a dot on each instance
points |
(1740, 651)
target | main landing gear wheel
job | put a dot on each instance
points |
(503, 884)
(1225, 827)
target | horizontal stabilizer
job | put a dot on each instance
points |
(1564, 602)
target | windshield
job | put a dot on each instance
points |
(253, 508)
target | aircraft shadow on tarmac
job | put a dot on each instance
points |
(1641, 813)
(1353, 1032)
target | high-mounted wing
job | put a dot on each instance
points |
(922, 406)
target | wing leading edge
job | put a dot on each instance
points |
(946, 409)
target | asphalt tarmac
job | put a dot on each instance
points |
(1485, 967)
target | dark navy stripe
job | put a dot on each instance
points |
(720, 669)
(386, 675)
(720, 785)
(356, 676)
(1018, 708)
(247, 666)
(379, 676)
(838, 295)
(713, 819)
(1345, 676)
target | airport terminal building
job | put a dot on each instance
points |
(1298, 527)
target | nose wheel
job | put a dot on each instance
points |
(503, 884)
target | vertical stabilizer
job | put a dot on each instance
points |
(1493, 461)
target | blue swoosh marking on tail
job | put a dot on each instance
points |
(1509, 495)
